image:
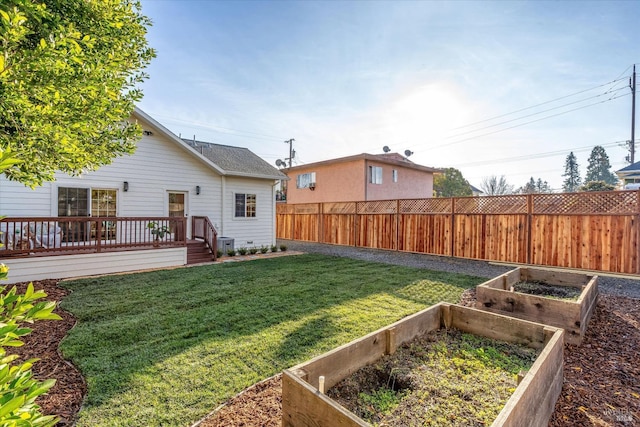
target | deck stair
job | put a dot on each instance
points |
(198, 252)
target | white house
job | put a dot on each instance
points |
(165, 177)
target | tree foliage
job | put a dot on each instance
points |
(571, 173)
(599, 168)
(535, 186)
(451, 183)
(597, 186)
(69, 72)
(18, 388)
(496, 186)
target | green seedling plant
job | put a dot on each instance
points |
(18, 388)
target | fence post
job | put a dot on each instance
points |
(398, 225)
(637, 232)
(356, 228)
(320, 224)
(453, 222)
(529, 228)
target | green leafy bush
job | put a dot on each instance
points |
(18, 388)
(219, 253)
(264, 249)
(231, 252)
(253, 251)
(274, 248)
(283, 248)
(242, 251)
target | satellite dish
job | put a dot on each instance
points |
(386, 149)
(279, 162)
(408, 153)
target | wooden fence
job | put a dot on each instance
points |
(589, 230)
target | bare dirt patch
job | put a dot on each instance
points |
(445, 377)
(546, 290)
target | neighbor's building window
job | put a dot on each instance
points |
(375, 174)
(245, 205)
(395, 175)
(303, 180)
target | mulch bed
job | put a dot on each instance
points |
(601, 377)
(65, 397)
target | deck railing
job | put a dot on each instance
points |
(64, 235)
(201, 228)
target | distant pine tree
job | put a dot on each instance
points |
(572, 181)
(599, 168)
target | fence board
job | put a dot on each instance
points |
(595, 231)
(338, 229)
(430, 234)
(377, 231)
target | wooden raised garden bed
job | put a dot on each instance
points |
(532, 402)
(502, 295)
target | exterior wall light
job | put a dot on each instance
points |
(197, 189)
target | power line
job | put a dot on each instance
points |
(219, 129)
(539, 112)
(537, 155)
(522, 124)
(540, 104)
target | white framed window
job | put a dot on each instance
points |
(305, 180)
(375, 174)
(395, 175)
(245, 206)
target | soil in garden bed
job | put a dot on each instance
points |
(543, 289)
(445, 378)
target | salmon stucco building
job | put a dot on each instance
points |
(361, 177)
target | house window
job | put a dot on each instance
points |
(395, 175)
(103, 202)
(73, 201)
(375, 174)
(245, 205)
(305, 180)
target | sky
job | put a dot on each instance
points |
(490, 88)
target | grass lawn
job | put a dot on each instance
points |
(165, 348)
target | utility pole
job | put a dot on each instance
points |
(290, 142)
(632, 84)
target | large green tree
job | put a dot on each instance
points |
(599, 168)
(572, 180)
(451, 183)
(69, 77)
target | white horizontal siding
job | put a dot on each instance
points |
(18, 200)
(249, 232)
(67, 266)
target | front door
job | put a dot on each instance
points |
(178, 208)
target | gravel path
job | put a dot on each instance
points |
(607, 284)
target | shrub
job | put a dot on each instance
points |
(274, 248)
(219, 253)
(231, 252)
(242, 251)
(283, 248)
(264, 249)
(253, 251)
(18, 388)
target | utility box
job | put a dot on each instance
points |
(225, 244)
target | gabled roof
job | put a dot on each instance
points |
(393, 159)
(224, 159)
(475, 190)
(235, 160)
(635, 167)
